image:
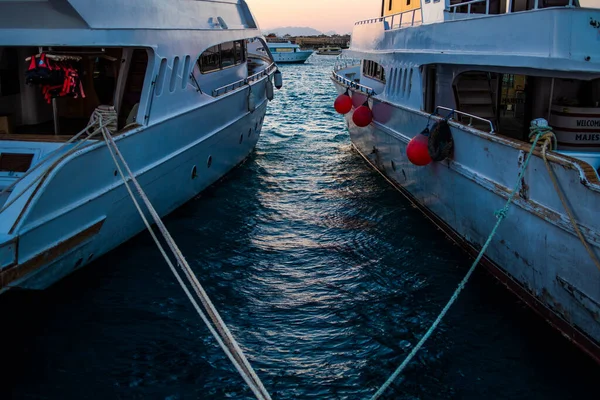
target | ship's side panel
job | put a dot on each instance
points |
(535, 244)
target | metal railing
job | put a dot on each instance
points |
(404, 19)
(471, 117)
(238, 84)
(454, 7)
(354, 85)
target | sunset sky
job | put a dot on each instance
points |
(324, 15)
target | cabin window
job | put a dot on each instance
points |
(227, 55)
(373, 70)
(221, 56)
(408, 2)
(9, 72)
(390, 9)
(240, 54)
(210, 60)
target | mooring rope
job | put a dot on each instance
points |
(550, 140)
(222, 333)
(500, 215)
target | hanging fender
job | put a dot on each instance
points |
(269, 88)
(440, 144)
(278, 79)
(251, 100)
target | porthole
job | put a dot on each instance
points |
(393, 165)
(115, 173)
(249, 132)
(256, 126)
(209, 162)
(194, 172)
(241, 138)
(78, 263)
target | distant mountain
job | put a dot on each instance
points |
(293, 31)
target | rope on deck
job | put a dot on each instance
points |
(550, 140)
(220, 331)
(536, 133)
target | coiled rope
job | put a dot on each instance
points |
(220, 331)
(536, 133)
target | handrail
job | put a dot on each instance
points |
(238, 84)
(391, 19)
(361, 88)
(470, 116)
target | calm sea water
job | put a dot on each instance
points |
(324, 273)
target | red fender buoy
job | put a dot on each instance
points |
(362, 115)
(417, 150)
(343, 103)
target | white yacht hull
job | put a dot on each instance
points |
(96, 213)
(298, 57)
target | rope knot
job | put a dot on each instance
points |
(501, 213)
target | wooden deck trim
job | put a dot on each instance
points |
(18, 271)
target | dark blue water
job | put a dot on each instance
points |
(324, 273)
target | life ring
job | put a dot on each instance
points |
(440, 144)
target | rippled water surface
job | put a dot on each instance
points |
(324, 273)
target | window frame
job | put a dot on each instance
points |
(373, 70)
(242, 47)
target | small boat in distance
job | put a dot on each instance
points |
(285, 52)
(329, 51)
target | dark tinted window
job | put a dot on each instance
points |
(222, 56)
(373, 70)
(210, 60)
(227, 55)
(240, 52)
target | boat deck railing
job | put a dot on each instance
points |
(414, 17)
(404, 19)
(355, 85)
(246, 81)
(460, 7)
(470, 117)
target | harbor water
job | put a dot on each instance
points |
(324, 273)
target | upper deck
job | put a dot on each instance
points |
(513, 33)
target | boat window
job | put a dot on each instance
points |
(390, 9)
(373, 70)
(227, 55)
(240, 54)
(221, 56)
(210, 60)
